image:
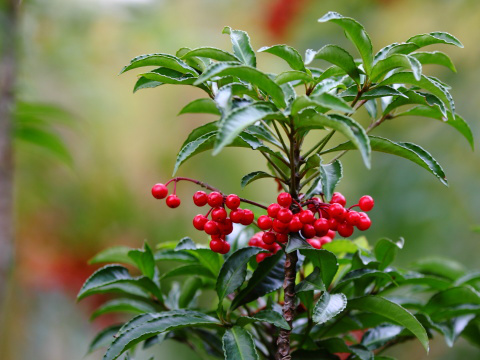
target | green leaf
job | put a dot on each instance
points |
(328, 306)
(435, 57)
(161, 322)
(439, 266)
(416, 97)
(123, 305)
(237, 121)
(234, 270)
(211, 260)
(269, 316)
(377, 92)
(296, 242)
(311, 282)
(190, 289)
(386, 250)
(116, 254)
(200, 106)
(396, 61)
(336, 55)
(189, 270)
(452, 297)
(248, 74)
(210, 53)
(425, 83)
(238, 345)
(287, 53)
(104, 338)
(169, 76)
(144, 83)
(266, 278)
(436, 37)
(325, 261)
(356, 33)
(408, 151)
(341, 246)
(326, 100)
(186, 243)
(293, 75)
(144, 260)
(253, 176)
(392, 311)
(337, 345)
(364, 273)
(163, 60)
(395, 48)
(173, 255)
(380, 335)
(241, 46)
(330, 175)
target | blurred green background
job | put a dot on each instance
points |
(120, 144)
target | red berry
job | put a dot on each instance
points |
(285, 215)
(295, 224)
(232, 201)
(282, 238)
(159, 191)
(279, 227)
(331, 234)
(256, 239)
(316, 243)
(336, 210)
(306, 217)
(219, 214)
(366, 203)
(338, 198)
(260, 257)
(273, 209)
(199, 222)
(215, 199)
(284, 199)
(325, 240)
(352, 218)
(211, 228)
(264, 222)
(226, 248)
(200, 198)
(333, 224)
(236, 215)
(321, 226)
(364, 223)
(248, 217)
(173, 201)
(216, 245)
(225, 227)
(313, 207)
(308, 231)
(345, 229)
(269, 237)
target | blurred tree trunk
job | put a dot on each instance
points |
(8, 65)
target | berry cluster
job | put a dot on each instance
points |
(257, 240)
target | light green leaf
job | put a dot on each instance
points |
(210, 53)
(238, 345)
(393, 312)
(189, 270)
(451, 298)
(269, 316)
(328, 306)
(395, 48)
(169, 76)
(131, 306)
(440, 266)
(356, 33)
(293, 75)
(396, 61)
(377, 92)
(241, 46)
(114, 254)
(144, 260)
(253, 176)
(144, 83)
(200, 106)
(436, 37)
(161, 60)
(287, 53)
(386, 250)
(435, 57)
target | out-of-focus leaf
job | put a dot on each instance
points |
(123, 305)
(160, 60)
(114, 254)
(104, 338)
(205, 106)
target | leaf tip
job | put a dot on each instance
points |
(227, 30)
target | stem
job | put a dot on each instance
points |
(285, 148)
(281, 174)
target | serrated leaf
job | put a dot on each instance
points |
(311, 282)
(169, 76)
(397, 61)
(435, 57)
(253, 176)
(437, 37)
(416, 97)
(238, 345)
(248, 74)
(266, 278)
(269, 316)
(328, 306)
(158, 323)
(293, 75)
(241, 46)
(385, 251)
(356, 33)
(123, 305)
(392, 311)
(161, 60)
(287, 53)
(185, 243)
(200, 106)
(364, 273)
(210, 53)
(340, 57)
(330, 175)
(377, 92)
(234, 270)
(144, 83)
(408, 151)
(325, 261)
(395, 48)
(114, 254)
(104, 338)
(144, 260)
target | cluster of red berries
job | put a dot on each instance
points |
(257, 240)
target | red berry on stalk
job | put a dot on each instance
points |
(269, 237)
(345, 229)
(282, 238)
(273, 209)
(236, 215)
(295, 224)
(321, 225)
(200, 198)
(331, 234)
(225, 227)
(306, 217)
(284, 199)
(333, 224)
(260, 257)
(173, 201)
(352, 218)
(280, 227)
(248, 217)
(232, 201)
(211, 228)
(325, 240)
(159, 191)
(256, 239)
(226, 248)
(216, 245)
(366, 203)
(316, 243)
(285, 215)
(308, 231)
(199, 222)
(219, 214)
(215, 199)
(338, 198)
(264, 222)
(364, 223)
(336, 210)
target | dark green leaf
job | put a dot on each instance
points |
(326, 100)
(296, 242)
(391, 311)
(255, 175)
(174, 256)
(241, 46)
(114, 254)
(123, 305)
(144, 260)
(189, 270)
(169, 76)
(452, 297)
(269, 316)
(435, 57)
(329, 306)
(293, 75)
(356, 33)
(396, 61)
(325, 261)
(311, 282)
(189, 289)
(386, 250)
(439, 266)
(395, 48)
(337, 345)
(330, 175)
(416, 97)
(436, 37)
(104, 338)
(211, 260)
(210, 53)
(144, 83)
(238, 345)
(287, 53)
(380, 335)
(163, 60)
(186, 244)
(199, 106)
(364, 273)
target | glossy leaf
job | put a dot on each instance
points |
(440, 266)
(144, 83)
(435, 57)
(296, 242)
(269, 316)
(238, 345)
(169, 76)
(199, 106)
(311, 282)
(114, 254)
(185, 243)
(189, 270)
(386, 250)
(395, 48)
(287, 53)
(437, 37)
(377, 337)
(356, 33)
(241, 46)
(417, 97)
(377, 92)
(144, 260)
(123, 305)
(325, 261)
(210, 53)
(394, 62)
(330, 175)
(104, 338)
(160, 60)
(392, 311)
(293, 75)
(452, 297)
(328, 306)
(253, 176)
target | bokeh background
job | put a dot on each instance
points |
(73, 202)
